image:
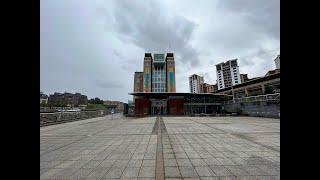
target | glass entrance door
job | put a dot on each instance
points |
(158, 107)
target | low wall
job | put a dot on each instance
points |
(58, 117)
(261, 109)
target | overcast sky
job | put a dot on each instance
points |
(95, 46)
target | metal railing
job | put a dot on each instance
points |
(260, 98)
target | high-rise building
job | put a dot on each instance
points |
(244, 78)
(138, 82)
(159, 73)
(228, 74)
(277, 62)
(194, 83)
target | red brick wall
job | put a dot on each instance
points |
(176, 107)
(142, 107)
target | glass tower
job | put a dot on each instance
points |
(159, 82)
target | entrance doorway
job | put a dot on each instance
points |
(158, 107)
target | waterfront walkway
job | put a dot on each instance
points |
(162, 148)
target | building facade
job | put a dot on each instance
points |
(195, 82)
(43, 98)
(138, 82)
(67, 99)
(244, 78)
(211, 88)
(159, 73)
(268, 84)
(117, 105)
(277, 62)
(228, 74)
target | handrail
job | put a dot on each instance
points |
(259, 98)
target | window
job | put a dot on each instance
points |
(235, 81)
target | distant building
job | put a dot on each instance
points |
(194, 83)
(268, 84)
(43, 98)
(228, 74)
(211, 88)
(244, 78)
(277, 62)
(118, 106)
(272, 72)
(204, 88)
(67, 99)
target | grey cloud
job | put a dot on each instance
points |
(108, 84)
(264, 15)
(147, 25)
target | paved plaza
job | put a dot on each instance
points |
(162, 148)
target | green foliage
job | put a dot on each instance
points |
(95, 101)
(96, 107)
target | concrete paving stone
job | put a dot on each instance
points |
(63, 173)
(171, 172)
(269, 170)
(81, 174)
(212, 161)
(209, 178)
(91, 164)
(225, 161)
(168, 156)
(237, 170)
(49, 164)
(170, 162)
(121, 163)
(131, 172)
(191, 178)
(138, 156)
(238, 160)
(49, 173)
(98, 172)
(254, 170)
(167, 150)
(204, 171)
(220, 170)
(107, 163)
(114, 172)
(150, 156)
(181, 155)
(147, 172)
(188, 172)
(198, 162)
(135, 163)
(184, 162)
(228, 178)
(149, 162)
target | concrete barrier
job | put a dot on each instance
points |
(59, 117)
(261, 109)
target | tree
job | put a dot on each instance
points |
(95, 101)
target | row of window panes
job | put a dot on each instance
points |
(157, 85)
(159, 90)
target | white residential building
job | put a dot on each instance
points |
(194, 83)
(228, 74)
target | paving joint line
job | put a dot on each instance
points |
(159, 153)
